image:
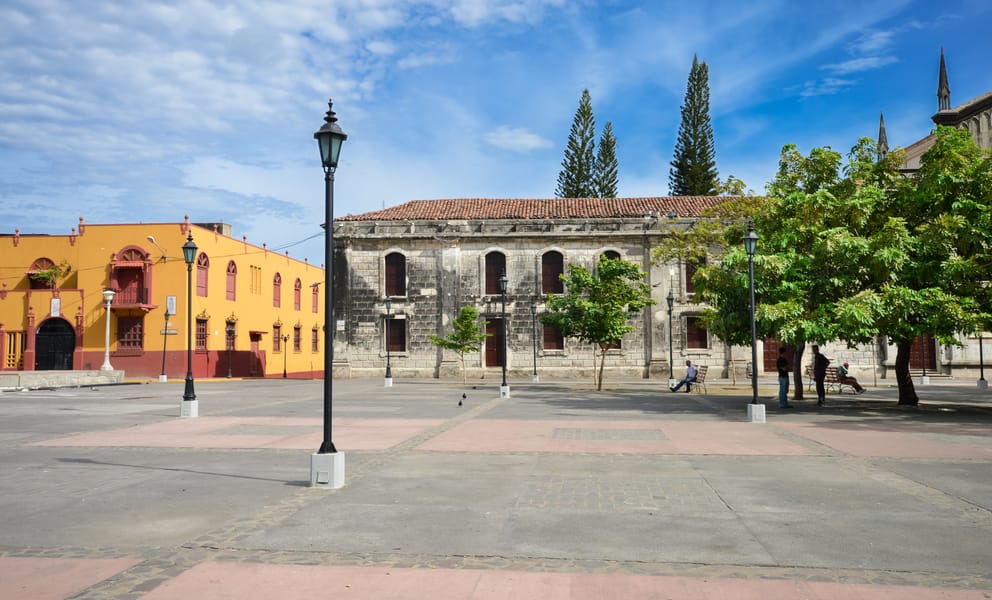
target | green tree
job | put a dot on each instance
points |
(596, 307)
(576, 179)
(693, 170)
(606, 164)
(467, 336)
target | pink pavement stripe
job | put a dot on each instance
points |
(55, 578)
(243, 581)
(249, 432)
(907, 440)
(679, 437)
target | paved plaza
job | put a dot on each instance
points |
(559, 491)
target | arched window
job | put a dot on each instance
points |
(552, 267)
(612, 254)
(277, 290)
(495, 268)
(37, 274)
(395, 274)
(315, 297)
(297, 294)
(232, 280)
(202, 266)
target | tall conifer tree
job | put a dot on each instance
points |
(693, 171)
(606, 164)
(578, 167)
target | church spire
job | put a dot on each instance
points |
(943, 90)
(883, 140)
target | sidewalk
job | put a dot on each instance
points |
(557, 492)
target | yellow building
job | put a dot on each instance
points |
(255, 313)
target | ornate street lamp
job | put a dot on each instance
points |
(533, 337)
(750, 245)
(189, 407)
(504, 390)
(385, 330)
(108, 297)
(285, 351)
(327, 464)
(229, 330)
(165, 339)
(670, 298)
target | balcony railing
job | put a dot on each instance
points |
(131, 296)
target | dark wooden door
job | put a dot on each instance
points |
(494, 343)
(54, 344)
(923, 344)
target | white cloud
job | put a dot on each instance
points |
(516, 138)
(857, 65)
(826, 86)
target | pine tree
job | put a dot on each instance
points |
(576, 177)
(693, 171)
(606, 164)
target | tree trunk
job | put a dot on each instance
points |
(464, 373)
(907, 392)
(602, 363)
(797, 370)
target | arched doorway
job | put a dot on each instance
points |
(54, 344)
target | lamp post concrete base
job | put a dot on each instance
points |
(671, 382)
(535, 379)
(189, 408)
(388, 382)
(925, 380)
(327, 470)
(756, 413)
(982, 384)
(504, 391)
(163, 378)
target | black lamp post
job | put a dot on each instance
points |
(189, 255)
(533, 337)
(671, 355)
(385, 329)
(924, 341)
(229, 330)
(329, 138)
(285, 350)
(750, 245)
(503, 388)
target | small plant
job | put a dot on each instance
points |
(467, 337)
(50, 276)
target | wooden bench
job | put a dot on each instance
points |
(699, 383)
(831, 381)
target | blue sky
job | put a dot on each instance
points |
(148, 111)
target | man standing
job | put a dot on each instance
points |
(782, 364)
(820, 363)
(690, 376)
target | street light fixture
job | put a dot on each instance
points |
(385, 329)
(533, 337)
(750, 245)
(504, 390)
(229, 330)
(327, 464)
(108, 297)
(189, 407)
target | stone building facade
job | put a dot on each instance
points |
(432, 257)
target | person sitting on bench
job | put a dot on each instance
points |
(846, 379)
(690, 376)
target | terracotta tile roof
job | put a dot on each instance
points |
(535, 208)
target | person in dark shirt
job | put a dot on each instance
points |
(782, 364)
(820, 363)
